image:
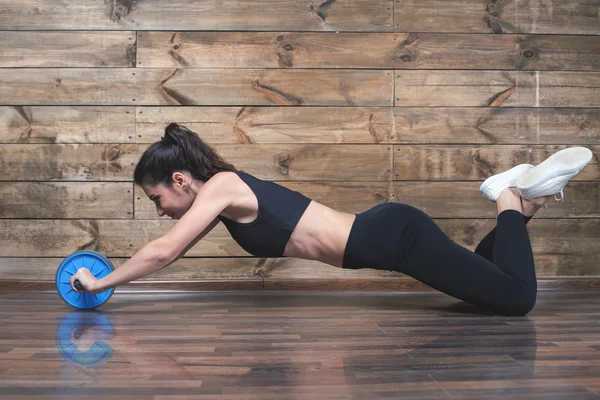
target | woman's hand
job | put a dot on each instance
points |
(87, 280)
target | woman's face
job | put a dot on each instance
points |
(174, 200)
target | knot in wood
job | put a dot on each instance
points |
(111, 153)
(286, 45)
(469, 231)
(493, 23)
(282, 163)
(379, 197)
(123, 7)
(495, 9)
(285, 50)
(528, 53)
(120, 8)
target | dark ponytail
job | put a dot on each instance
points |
(179, 150)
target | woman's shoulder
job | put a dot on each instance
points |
(225, 181)
(223, 177)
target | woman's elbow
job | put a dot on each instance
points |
(164, 257)
(163, 253)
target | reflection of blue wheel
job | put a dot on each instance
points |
(72, 325)
(99, 266)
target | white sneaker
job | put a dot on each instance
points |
(495, 184)
(550, 177)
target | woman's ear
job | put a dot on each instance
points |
(179, 179)
(182, 180)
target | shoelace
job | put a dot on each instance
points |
(561, 198)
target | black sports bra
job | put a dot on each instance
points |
(279, 210)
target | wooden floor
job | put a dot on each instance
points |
(297, 345)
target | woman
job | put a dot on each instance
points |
(188, 181)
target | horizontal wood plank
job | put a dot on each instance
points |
(261, 125)
(114, 238)
(578, 236)
(157, 86)
(367, 50)
(464, 162)
(190, 269)
(331, 125)
(68, 162)
(113, 162)
(438, 199)
(497, 125)
(67, 49)
(497, 88)
(302, 271)
(297, 87)
(265, 50)
(66, 200)
(67, 124)
(453, 125)
(44, 269)
(519, 16)
(341, 15)
(567, 264)
(298, 162)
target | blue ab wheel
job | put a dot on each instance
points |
(98, 265)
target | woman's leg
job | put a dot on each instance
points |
(485, 248)
(506, 284)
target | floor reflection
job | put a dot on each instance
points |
(90, 339)
(84, 337)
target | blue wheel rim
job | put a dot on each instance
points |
(99, 266)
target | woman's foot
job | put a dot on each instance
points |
(509, 199)
(551, 176)
(530, 207)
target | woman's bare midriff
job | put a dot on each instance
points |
(321, 233)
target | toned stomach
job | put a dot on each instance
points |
(321, 234)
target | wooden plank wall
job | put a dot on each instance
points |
(352, 102)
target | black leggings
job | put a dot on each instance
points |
(498, 276)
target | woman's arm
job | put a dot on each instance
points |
(150, 258)
(200, 236)
(159, 253)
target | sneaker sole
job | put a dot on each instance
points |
(565, 162)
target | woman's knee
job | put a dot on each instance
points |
(520, 306)
(525, 307)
